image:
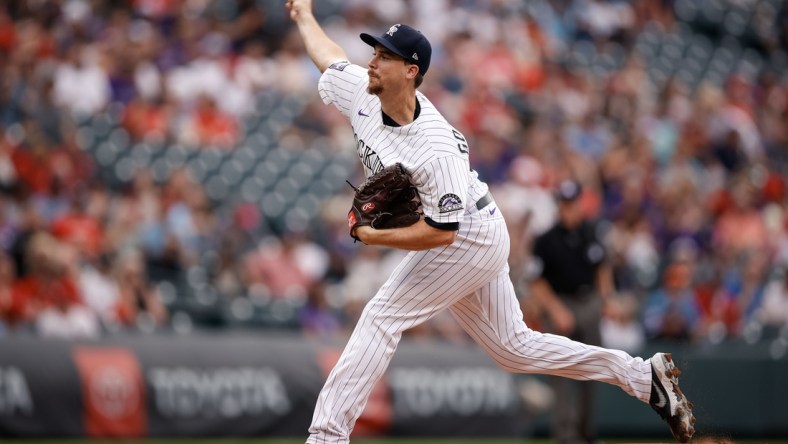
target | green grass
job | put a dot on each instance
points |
(367, 441)
(281, 441)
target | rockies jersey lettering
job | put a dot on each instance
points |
(369, 158)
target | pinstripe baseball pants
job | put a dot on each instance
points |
(470, 278)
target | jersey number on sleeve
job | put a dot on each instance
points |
(462, 144)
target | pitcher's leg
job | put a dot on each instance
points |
(424, 284)
(348, 386)
(493, 318)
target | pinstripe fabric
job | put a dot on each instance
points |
(430, 149)
(469, 277)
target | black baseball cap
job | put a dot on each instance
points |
(405, 42)
(568, 190)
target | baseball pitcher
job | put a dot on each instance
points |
(459, 243)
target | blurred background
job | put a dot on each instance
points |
(168, 173)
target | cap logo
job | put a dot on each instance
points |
(392, 30)
(415, 56)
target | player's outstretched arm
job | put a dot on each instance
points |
(322, 50)
(419, 236)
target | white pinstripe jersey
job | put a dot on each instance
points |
(430, 149)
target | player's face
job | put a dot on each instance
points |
(386, 70)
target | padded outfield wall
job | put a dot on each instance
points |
(240, 384)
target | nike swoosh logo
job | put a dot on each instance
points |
(662, 401)
(360, 113)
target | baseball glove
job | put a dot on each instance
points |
(387, 199)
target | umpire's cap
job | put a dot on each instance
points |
(568, 190)
(406, 42)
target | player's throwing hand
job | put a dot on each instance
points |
(297, 7)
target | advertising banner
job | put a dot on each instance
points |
(452, 390)
(40, 392)
(239, 385)
(113, 391)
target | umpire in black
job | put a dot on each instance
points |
(572, 282)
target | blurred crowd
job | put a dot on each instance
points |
(688, 181)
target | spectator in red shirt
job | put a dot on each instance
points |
(32, 164)
(287, 268)
(72, 167)
(7, 274)
(7, 32)
(78, 228)
(208, 125)
(147, 119)
(48, 297)
(741, 228)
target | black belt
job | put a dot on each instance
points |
(484, 201)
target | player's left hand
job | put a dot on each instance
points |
(385, 200)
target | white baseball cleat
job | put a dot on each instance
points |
(667, 398)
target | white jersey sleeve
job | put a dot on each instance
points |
(444, 192)
(341, 84)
